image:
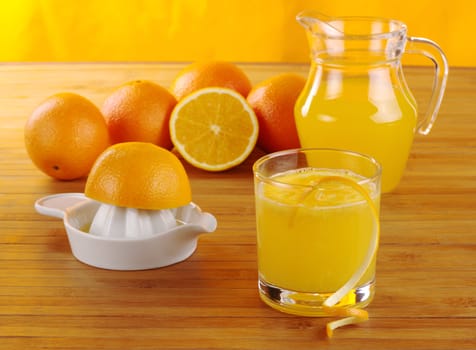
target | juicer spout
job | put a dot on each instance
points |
(197, 221)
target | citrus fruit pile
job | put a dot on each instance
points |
(211, 115)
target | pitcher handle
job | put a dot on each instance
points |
(431, 50)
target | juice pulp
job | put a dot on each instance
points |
(369, 114)
(313, 241)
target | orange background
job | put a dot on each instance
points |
(189, 30)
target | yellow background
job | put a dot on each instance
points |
(190, 30)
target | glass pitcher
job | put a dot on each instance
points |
(356, 97)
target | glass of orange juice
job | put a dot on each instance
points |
(317, 228)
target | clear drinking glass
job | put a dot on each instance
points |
(317, 229)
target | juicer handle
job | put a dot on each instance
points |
(55, 205)
(431, 50)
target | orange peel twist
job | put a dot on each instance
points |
(350, 315)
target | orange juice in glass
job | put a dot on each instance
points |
(316, 212)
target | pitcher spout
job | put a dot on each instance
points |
(318, 23)
(353, 39)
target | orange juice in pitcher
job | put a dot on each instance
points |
(356, 97)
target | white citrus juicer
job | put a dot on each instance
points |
(117, 238)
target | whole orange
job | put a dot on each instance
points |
(64, 136)
(139, 111)
(200, 75)
(273, 102)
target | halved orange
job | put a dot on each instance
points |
(214, 128)
(139, 175)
